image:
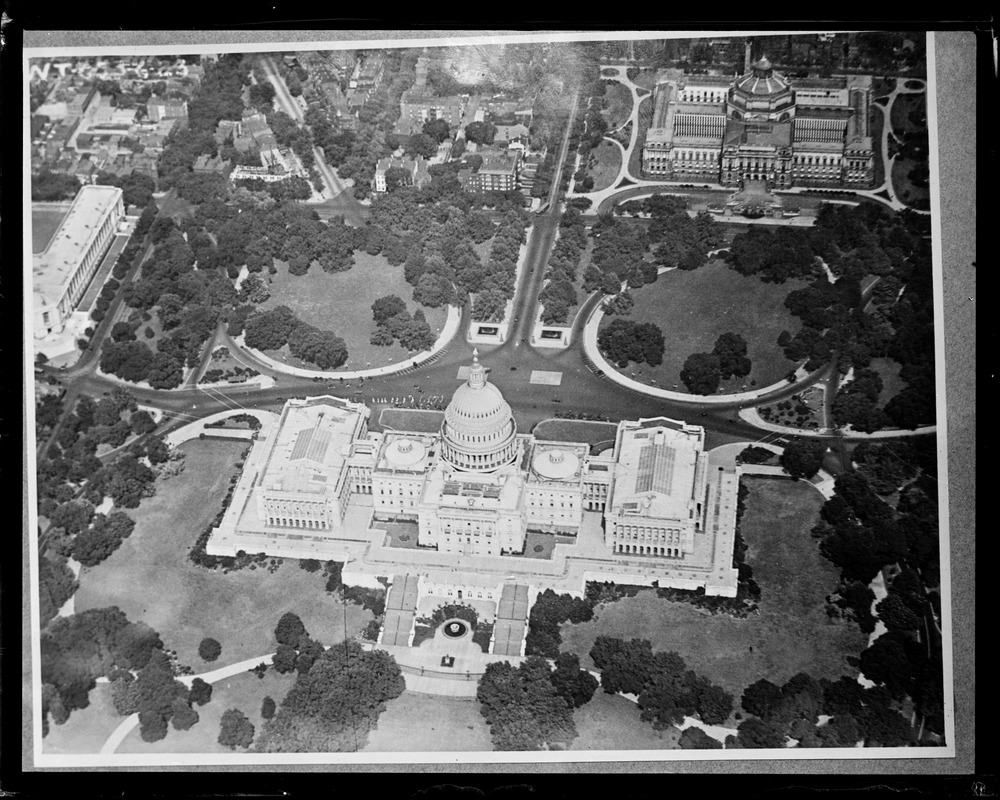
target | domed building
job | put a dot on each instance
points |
(468, 507)
(761, 126)
(761, 95)
(479, 433)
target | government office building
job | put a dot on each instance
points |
(62, 272)
(761, 127)
(320, 484)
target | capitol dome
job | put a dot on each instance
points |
(478, 433)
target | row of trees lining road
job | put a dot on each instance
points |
(559, 294)
(273, 329)
(703, 372)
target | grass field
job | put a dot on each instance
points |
(610, 722)
(571, 430)
(892, 384)
(151, 578)
(416, 723)
(790, 634)
(693, 308)
(607, 163)
(619, 107)
(416, 420)
(86, 729)
(244, 691)
(45, 222)
(646, 79)
(342, 302)
(908, 192)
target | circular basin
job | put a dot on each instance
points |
(455, 628)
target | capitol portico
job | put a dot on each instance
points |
(319, 484)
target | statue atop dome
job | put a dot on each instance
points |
(477, 372)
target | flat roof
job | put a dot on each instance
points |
(311, 447)
(657, 472)
(52, 268)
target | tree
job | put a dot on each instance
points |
(420, 144)
(141, 422)
(235, 730)
(184, 717)
(731, 350)
(701, 373)
(760, 698)
(387, 307)
(267, 708)
(437, 129)
(201, 692)
(165, 372)
(755, 733)
(323, 348)
(694, 738)
(480, 132)
(576, 686)
(209, 649)
(289, 629)
(802, 458)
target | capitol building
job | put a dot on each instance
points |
(470, 497)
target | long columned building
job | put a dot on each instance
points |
(320, 480)
(62, 272)
(761, 126)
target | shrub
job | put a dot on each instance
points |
(209, 649)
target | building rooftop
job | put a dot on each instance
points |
(313, 441)
(765, 135)
(658, 472)
(54, 266)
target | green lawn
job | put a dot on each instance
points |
(342, 302)
(607, 163)
(244, 691)
(570, 430)
(619, 105)
(901, 108)
(694, 307)
(45, 221)
(151, 578)
(610, 722)
(892, 384)
(86, 729)
(907, 191)
(415, 722)
(790, 634)
(415, 420)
